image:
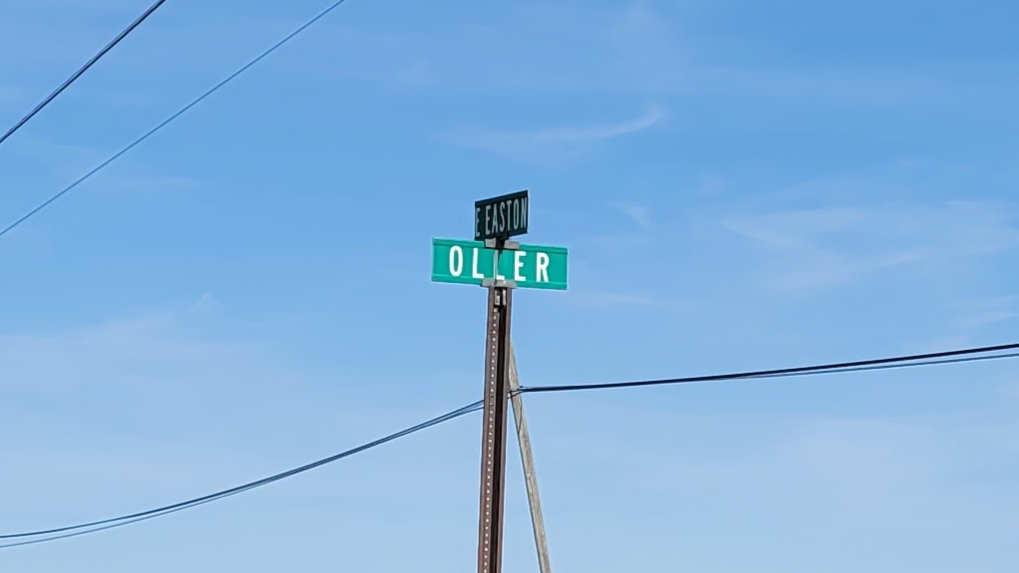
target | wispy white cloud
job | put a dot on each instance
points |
(637, 213)
(556, 145)
(812, 248)
(206, 303)
(979, 313)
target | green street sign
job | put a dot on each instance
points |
(469, 262)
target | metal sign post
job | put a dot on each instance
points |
(492, 261)
(493, 444)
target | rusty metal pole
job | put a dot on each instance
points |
(493, 445)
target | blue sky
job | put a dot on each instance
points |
(741, 185)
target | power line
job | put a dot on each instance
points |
(177, 114)
(931, 359)
(899, 365)
(45, 535)
(82, 70)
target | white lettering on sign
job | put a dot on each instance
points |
(474, 266)
(456, 261)
(501, 217)
(518, 263)
(541, 269)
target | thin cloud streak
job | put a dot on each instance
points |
(640, 215)
(813, 248)
(552, 146)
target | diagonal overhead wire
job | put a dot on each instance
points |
(998, 352)
(74, 77)
(54, 534)
(965, 355)
(172, 117)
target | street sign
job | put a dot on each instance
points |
(469, 262)
(501, 217)
(492, 261)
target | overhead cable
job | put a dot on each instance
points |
(935, 358)
(172, 117)
(53, 534)
(984, 353)
(81, 70)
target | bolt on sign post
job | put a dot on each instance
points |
(492, 261)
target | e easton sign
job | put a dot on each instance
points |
(501, 217)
